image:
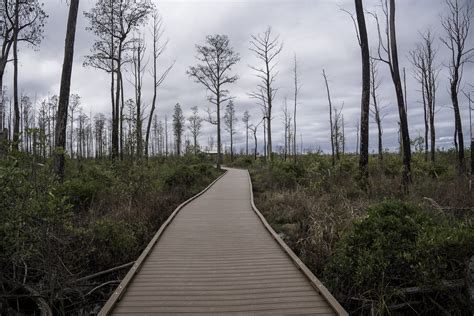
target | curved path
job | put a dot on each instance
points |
(218, 255)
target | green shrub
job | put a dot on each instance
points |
(397, 245)
(285, 174)
(242, 162)
(82, 188)
(180, 176)
(114, 241)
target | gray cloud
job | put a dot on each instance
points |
(317, 31)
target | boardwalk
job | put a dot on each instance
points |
(217, 256)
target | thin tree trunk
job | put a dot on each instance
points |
(247, 138)
(115, 119)
(472, 139)
(378, 119)
(72, 133)
(400, 100)
(458, 123)
(166, 135)
(231, 144)
(425, 116)
(64, 90)
(269, 112)
(16, 122)
(153, 103)
(294, 111)
(122, 105)
(432, 116)
(256, 145)
(219, 149)
(357, 136)
(112, 96)
(365, 100)
(265, 138)
(195, 143)
(330, 119)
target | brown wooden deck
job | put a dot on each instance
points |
(218, 255)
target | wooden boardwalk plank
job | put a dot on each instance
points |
(218, 255)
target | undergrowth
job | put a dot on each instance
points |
(369, 245)
(103, 215)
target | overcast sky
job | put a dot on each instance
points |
(317, 31)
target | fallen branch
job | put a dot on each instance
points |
(443, 209)
(402, 305)
(445, 285)
(102, 285)
(98, 274)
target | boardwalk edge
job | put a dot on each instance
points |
(315, 282)
(109, 305)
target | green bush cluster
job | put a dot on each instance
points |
(398, 245)
(103, 215)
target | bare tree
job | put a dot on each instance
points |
(338, 134)
(287, 125)
(194, 126)
(457, 23)
(229, 121)
(130, 130)
(266, 49)
(245, 120)
(365, 100)
(330, 118)
(217, 58)
(23, 21)
(166, 135)
(64, 90)
(26, 121)
(376, 109)
(100, 141)
(388, 53)
(16, 30)
(112, 22)
(296, 91)
(178, 127)
(159, 47)
(138, 71)
(470, 100)
(362, 38)
(74, 103)
(426, 73)
(254, 128)
(261, 99)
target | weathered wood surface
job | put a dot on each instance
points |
(219, 256)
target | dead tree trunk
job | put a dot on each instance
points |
(294, 111)
(457, 25)
(16, 122)
(365, 101)
(64, 90)
(330, 119)
(376, 108)
(391, 59)
(400, 100)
